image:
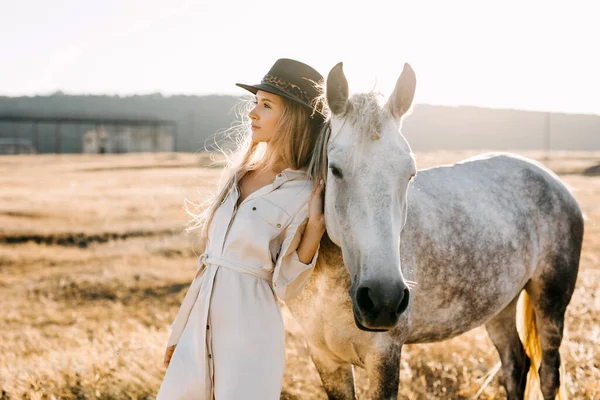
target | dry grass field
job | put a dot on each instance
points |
(94, 263)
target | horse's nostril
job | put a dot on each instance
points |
(364, 299)
(404, 302)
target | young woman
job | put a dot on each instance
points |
(263, 231)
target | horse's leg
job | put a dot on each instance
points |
(550, 290)
(549, 317)
(550, 295)
(337, 379)
(383, 367)
(502, 329)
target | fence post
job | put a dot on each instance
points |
(36, 137)
(58, 139)
(547, 134)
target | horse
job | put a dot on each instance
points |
(419, 257)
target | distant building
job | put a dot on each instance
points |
(16, 146)
(128, 140)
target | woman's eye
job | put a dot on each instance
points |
(266, 105)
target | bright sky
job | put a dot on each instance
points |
(537, 55)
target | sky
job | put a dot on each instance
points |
(533, 55)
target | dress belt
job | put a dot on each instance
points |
(205, 259)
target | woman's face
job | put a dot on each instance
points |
(265, 116)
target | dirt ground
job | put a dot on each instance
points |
(94, 263)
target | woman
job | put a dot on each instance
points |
(228, 339)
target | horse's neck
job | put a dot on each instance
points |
(327, 288)
(419, 200)
(331, 267)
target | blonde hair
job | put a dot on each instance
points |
(293, 144)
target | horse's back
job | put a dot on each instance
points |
(549, 195)
(506, 192)
(504, 179)
(538, 193)
(480, 229)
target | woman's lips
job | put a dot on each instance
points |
(254, 127)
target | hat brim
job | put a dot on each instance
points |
(265, 87)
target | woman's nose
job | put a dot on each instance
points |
(252, 114)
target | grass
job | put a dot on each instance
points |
(94, 264)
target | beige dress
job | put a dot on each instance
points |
(229, 329)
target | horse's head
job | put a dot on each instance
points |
(370, 165)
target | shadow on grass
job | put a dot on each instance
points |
(82, 239)
(85, 292)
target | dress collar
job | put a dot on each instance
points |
(288, 174)
(285, 175)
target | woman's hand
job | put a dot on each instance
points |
(315, 206)
(168, 355)
(315, 227)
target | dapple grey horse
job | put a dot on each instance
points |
(422, 257)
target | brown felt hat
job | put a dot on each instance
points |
(293, 80)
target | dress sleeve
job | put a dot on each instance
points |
(290, 274)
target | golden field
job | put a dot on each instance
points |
(94, 263)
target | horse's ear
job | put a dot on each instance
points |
(337, 90)
(404, 92)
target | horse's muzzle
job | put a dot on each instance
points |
(378, 305)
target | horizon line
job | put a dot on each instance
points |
(228, 94)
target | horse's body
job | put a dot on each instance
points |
(474, 235)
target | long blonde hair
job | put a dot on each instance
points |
(293, 144)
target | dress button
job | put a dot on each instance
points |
(279, 175)
(210, 356)
(279, 225)
(207, 327)
(253, 208)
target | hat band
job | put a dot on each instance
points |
(287, 87)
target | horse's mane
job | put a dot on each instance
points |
(365, 112)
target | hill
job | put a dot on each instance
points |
(199, 118)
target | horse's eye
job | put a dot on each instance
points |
(336, 171)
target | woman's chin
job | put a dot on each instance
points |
(257, 138)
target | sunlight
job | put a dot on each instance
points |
(528, 55)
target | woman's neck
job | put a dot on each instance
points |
(278, 165)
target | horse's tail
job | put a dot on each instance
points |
(527, 328)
